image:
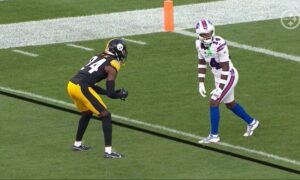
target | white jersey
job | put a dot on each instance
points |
(216, 53)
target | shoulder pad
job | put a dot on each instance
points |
(218, 40)
(114, 63)
(219, 43)
(198, 43)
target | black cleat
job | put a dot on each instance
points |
(113, 155)
(80, 148)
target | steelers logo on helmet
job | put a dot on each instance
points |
(120, 47)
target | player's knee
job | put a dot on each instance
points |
(214, 103)
(87, 113)
(105, 116)
(230, 105)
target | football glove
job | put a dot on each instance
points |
(216, 93)
(122, 93)
(202, 89)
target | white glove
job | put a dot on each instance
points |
(216, 93)
(202, 89)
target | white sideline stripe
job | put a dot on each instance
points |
(249, 48)
(81, 28)
(272, 156)
(80, 47)
(135, 41)
(25, 53)
(154, 126)
(55, 101)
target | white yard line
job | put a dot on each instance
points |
(135, 41)
(25, 53)
(249, 48)
(80, 47)
(136, 22)
(264, 51)
(154, 126)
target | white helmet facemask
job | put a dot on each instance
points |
(203, 27)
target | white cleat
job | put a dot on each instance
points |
(251, 128)
(210, 139)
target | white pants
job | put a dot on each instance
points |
(227, 95)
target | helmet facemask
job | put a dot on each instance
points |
(206, 31)
(206, 38)
(122, 53)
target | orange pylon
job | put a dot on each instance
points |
(168, 16)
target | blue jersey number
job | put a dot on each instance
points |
(213, 63)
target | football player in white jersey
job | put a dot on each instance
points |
(213, 51)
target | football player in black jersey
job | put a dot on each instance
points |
(84, 92)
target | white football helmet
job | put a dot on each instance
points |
(204, 26)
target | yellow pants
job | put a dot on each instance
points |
(85, 98)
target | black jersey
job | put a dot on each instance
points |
(94, 71)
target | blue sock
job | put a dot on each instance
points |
(240, 112)
(214, 120)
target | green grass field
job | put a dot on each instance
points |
(161, 77)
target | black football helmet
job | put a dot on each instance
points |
(117, 48)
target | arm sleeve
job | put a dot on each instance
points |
(99, 90)
(198, 46)
(110, 89)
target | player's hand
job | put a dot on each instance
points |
(202, 89)
(216, 93)
(122, 93)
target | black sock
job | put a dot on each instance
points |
(107, 129)
(82, 125)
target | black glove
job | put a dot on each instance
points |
(122, 93)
